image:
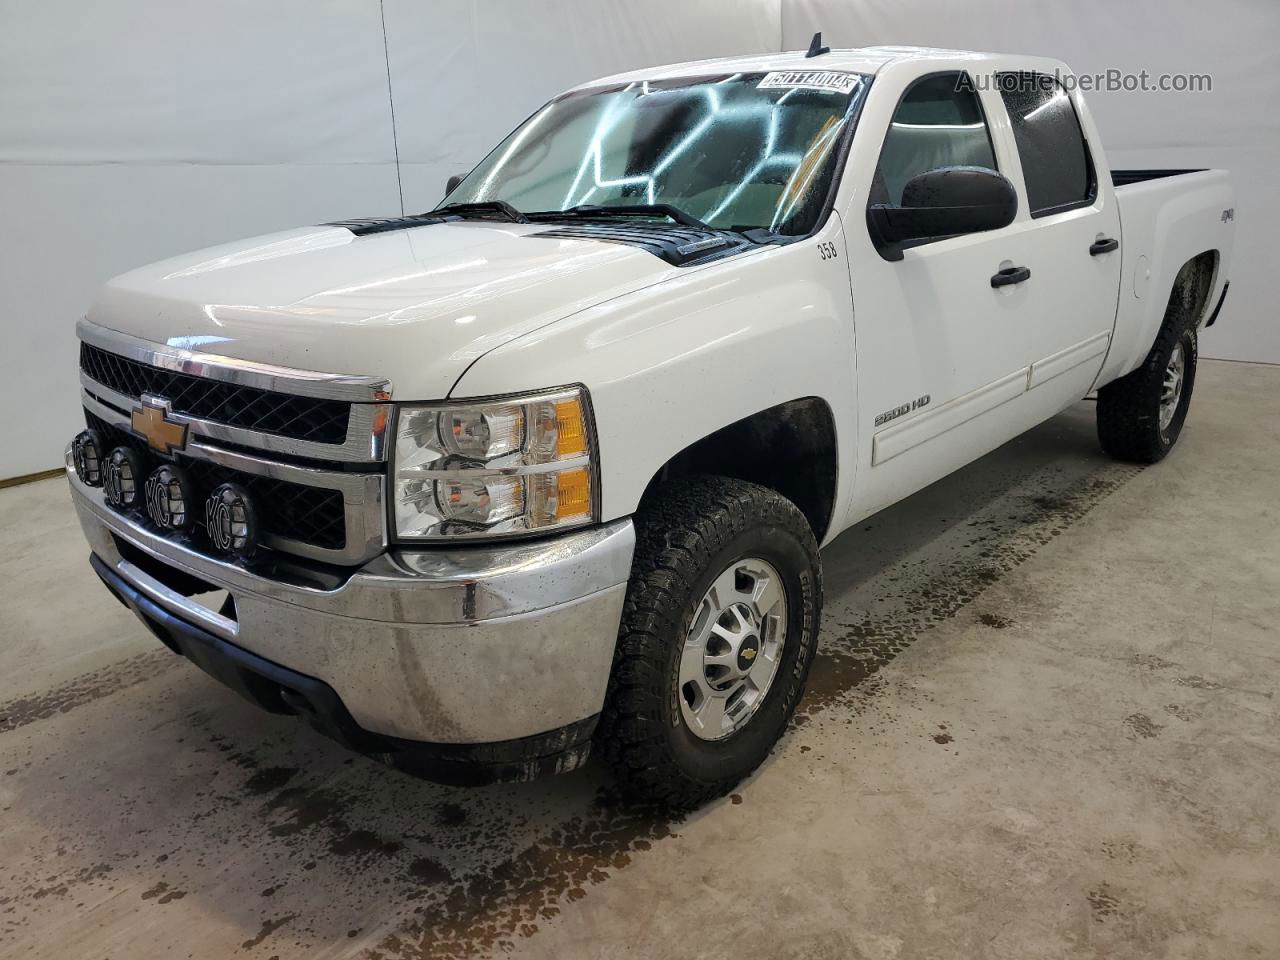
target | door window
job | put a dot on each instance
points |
(1056, 165)
(939, 123)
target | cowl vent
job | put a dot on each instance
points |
(387, 224)
(678, 246)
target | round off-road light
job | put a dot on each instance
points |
(230, 520)
(122, 478)
(86, 454)
(169, 495)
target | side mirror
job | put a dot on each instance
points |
(945, 202)
(452, 184)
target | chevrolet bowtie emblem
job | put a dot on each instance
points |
(749, 653)
(151, 422)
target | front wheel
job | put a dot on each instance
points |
(718, 632)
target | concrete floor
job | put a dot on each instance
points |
(1043, 724)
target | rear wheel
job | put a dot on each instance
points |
(1140, 416)
(718, 632)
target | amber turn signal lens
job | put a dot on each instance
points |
(571, 433)
(573, 494)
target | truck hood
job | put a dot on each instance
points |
(415, 307)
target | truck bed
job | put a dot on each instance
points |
(1167, 217)
(1122, 178)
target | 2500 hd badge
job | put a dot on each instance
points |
(906, 408)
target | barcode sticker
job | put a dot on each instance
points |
(809, 79)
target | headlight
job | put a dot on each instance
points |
(500, 468)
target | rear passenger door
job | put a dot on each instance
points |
(1070, 242)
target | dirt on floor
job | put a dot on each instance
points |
(1043, 723)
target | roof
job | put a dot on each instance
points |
(867, 60)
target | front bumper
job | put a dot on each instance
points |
(458, 646)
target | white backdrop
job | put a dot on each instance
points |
(137, 129)
(1236, 126)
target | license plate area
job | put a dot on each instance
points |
(213, 598)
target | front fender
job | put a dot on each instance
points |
(673, 363)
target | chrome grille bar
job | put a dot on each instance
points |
(365, 442)
(245, 373)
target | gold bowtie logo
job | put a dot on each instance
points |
(749, 653)
(151, 422)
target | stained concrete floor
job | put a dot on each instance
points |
(1043, 723)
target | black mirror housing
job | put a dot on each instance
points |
(452, 184)
(945, 202)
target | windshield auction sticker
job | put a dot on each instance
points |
(810, 80)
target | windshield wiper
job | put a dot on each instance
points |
(587, 211)
(762, 234)
(501, 207)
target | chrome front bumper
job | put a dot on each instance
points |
(465, 645)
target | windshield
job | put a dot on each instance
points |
(745, 151)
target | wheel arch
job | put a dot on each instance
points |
(1195, 282)
(790, 448)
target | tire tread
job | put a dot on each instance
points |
(677, 535)
(1129, 407)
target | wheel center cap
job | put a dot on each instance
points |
(747, 653)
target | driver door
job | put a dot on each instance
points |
(941, 351)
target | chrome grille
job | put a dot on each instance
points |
(302, 418)
(310, 515)
(309, 447)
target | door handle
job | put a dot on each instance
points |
(1011, 275)
(1105, 245)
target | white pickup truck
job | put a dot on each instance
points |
(549, 466)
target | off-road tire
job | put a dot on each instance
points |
(1129, 408)
(689, 530)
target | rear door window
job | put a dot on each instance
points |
(1056, 165)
